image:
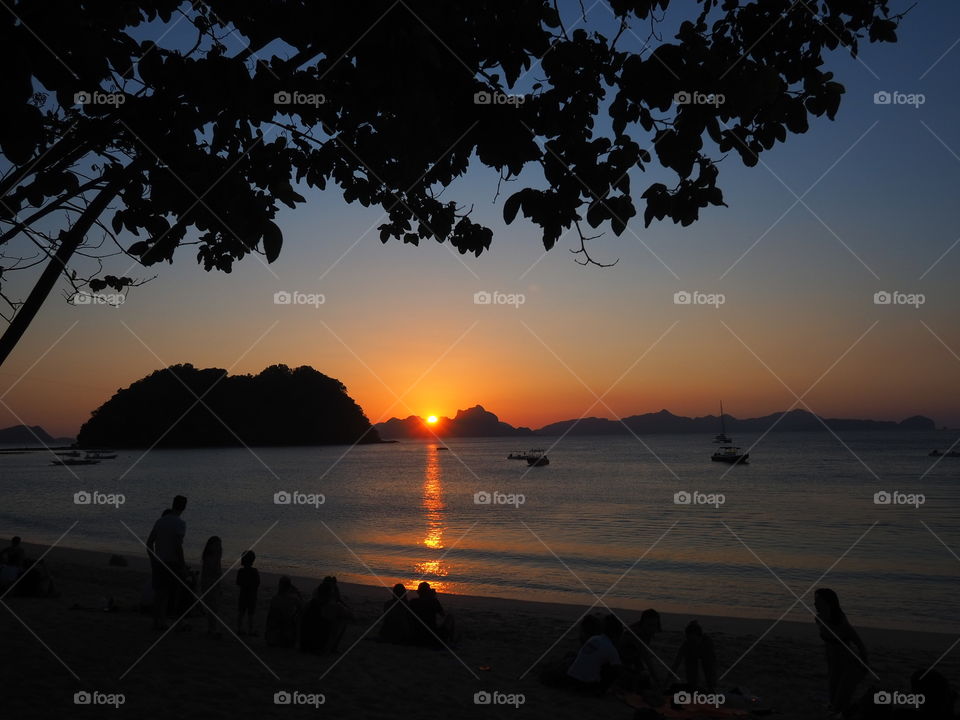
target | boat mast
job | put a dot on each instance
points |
(723, 425)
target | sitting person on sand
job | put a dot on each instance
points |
(597, 665)
(644, 670)
(248, 578)
(12, 560)
(325, 619)
(695, 652)
(591, 625)
(431, 625)
(283, 617)
(847, 661)
(396, 624)
(210, 589)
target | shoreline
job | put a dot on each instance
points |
(726, 623)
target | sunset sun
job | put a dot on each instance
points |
(431, 420)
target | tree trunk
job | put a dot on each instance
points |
(70, 240)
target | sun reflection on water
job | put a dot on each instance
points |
(433, 569)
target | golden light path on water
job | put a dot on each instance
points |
(433, 507)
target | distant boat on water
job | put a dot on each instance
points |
(74, 461)
(730, 454)
(518, 455)
(937, 453)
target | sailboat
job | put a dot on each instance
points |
(722, 438)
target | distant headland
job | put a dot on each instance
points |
(182, 406)
(479, 422)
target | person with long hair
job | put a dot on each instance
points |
(847, 658)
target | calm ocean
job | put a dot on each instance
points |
(602, 517)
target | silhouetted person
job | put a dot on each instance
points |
(431, 625)
(337, 612)
(591, 625)
(695, 652)
(12, 561)
(165, 544)
(597, 664)
(283, 617)
(644, 666)
(847, 659)
(248, 580)
(396, 625)
(210, 589)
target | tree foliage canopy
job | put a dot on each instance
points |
(201, 144)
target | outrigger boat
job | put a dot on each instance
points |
(730, 454)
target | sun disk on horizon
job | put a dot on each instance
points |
(432, 420)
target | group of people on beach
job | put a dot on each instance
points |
(613, 657)
(315, 625)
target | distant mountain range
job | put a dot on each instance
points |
(30, 435)
(479, 422)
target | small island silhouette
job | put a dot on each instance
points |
(279, 406)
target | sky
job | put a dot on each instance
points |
(399, 325)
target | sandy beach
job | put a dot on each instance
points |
(54, 647)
